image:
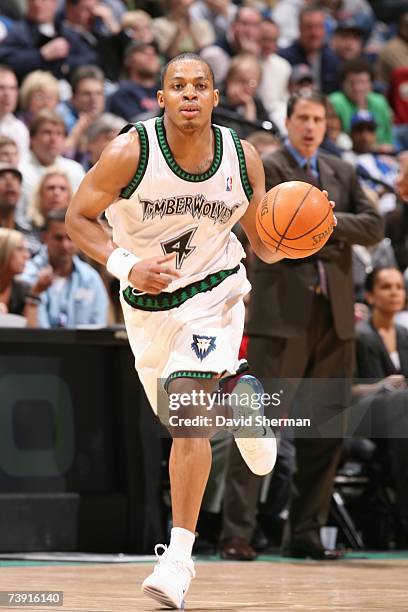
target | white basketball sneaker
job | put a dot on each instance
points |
(256, 443)
(170, 579)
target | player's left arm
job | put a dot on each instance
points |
(256, 176)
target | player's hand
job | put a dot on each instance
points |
(154, 275)
(332, 204)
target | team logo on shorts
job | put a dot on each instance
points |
(229, 183)
(203, 345)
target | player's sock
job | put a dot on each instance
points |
(181, 543)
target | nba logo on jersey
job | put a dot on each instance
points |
(202, 345)
(229, 183)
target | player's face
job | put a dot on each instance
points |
(188, 95)
(307, 126)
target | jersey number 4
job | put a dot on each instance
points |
(180, 245)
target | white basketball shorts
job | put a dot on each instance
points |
(202, 335)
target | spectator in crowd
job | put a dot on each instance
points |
(273, 90)
(137, 26)
(402, 178)
(16, 296)
(76, 295)
(39, 90)
(10, 191)
(100, 34)
(382, 357)
(47, 132)
(398, 98)
(9, 124)
(311, 48)
(53, 193)
(9, 151)
(86, 105)
(220, 13)
(301, 78)
(395, 53)
(357, 94)
(136, 96)
(336, 141)
(264, 142)
(312, 341)
(101, 131)
(10, 194)
(41, 42)
(243, 36)
(239, 107)
(88, 98)
(347, 40)
(177, 32)
(286, 15)
(377, 170)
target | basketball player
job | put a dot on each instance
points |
(173, 187)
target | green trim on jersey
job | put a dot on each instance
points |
(168, 300)
(143, 159)
(242, 165)
(173, 165)
(189, 374)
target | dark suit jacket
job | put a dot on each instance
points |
(373, 360)
(20, 50)
(329, 68)
(281, 300)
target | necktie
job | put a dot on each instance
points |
(312, 176)
(313, 179)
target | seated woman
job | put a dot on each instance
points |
(382, 356)
(53, 192)
(17, 297)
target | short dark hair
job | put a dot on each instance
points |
(312, 8)
(372, 276)
(86, 72)
(55, 216)
(356, 66)
(309, 96)
(183, 57)
(46, 116)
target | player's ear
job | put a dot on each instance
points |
(160, 98)
(216, 97)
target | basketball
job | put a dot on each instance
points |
(294, 219)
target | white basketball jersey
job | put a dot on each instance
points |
(165, 209)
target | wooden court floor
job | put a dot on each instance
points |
(356, 585)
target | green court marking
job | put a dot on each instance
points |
(350, 556)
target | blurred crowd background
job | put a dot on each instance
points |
(73, 73)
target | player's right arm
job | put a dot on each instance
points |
(98, 190)
(100, 187)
